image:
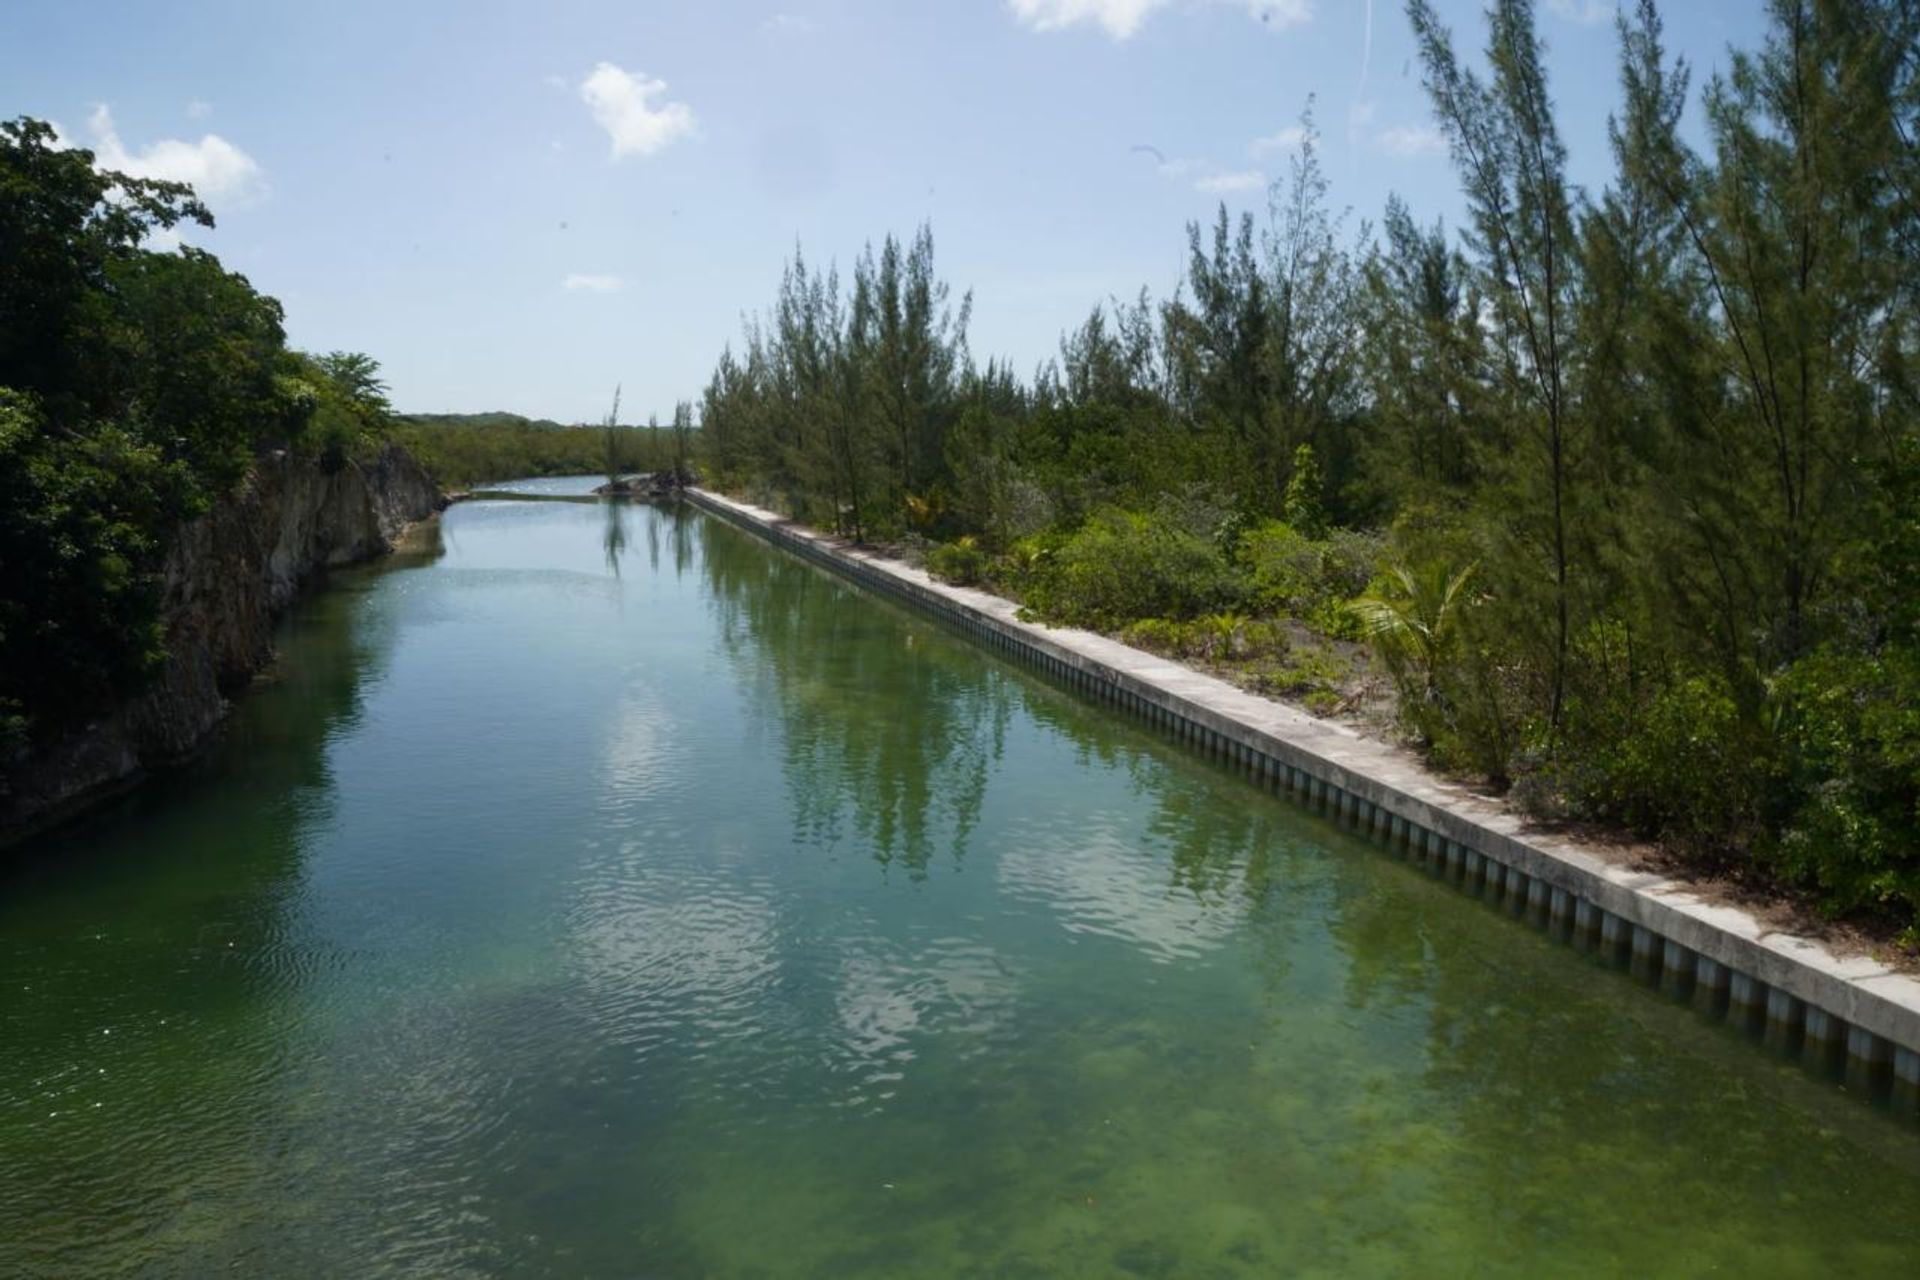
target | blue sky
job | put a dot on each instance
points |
(518, 205)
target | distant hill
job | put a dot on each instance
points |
(482, 420)
(466, 449)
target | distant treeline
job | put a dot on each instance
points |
(1622, 487)
(136, 386)
(462, 450)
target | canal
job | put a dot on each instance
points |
(598, 891)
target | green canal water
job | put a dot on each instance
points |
(600, 892)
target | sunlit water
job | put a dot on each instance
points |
(603, 893)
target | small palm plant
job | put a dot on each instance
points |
(924, 512)
(1413, 619)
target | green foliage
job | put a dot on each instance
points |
(82, 527)
(1305, 507)
(1694, 768)
(135, 387)
(1851, 729)
(62, 339)
(961, 561)
(1306, 578)
(1674, 425)
(465, 450)
(340, 402)
(840, 409)
(1122, 566)
(1413, 619)
(1215, 637)
(206, 353)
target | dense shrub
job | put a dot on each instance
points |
(961, 561)
(1693, 768)
(462, 450)
(1122, 566)
(136, 387)
(1216, 637)
(1308, 578)
(1851, 728)
(82, 520)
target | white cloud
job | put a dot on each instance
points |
(1224, 183)
(1410, 140)
(1204, 174)
(620, 103)
(792, 24)
(199, 109)
(1359, 116)
(1120, 19)
(578, 283)
(218, 171)
(1588, 13)
(1288, 139)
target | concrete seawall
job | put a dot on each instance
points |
(1848, 1018)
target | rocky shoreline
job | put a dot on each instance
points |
(228, 577)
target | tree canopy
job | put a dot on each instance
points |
(135, 385)
(1644, 456)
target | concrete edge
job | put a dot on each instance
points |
(1850, 1015)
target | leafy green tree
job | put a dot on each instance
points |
(83, 522)
(1313, 288)
(1512, 164)
(1420, 366)
(910, 344)
(1673, 425)
(356, 376)
(136, 386)
(64, 227)
(683, 442)
(1305, 508)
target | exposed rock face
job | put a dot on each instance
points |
(229, 575)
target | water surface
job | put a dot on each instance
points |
(601, 892)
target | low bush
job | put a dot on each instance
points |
(1218, 637)
(1308, 578)
(1849, 726)
(1693, 769)
(1122, 566)
(962, 561)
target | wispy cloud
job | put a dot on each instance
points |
(579, 283)
(1203, 175)
(1410, 140)
(199, 109)
(622, 104)
(1288, 139)
(219, 172)
(1360, 117)
(1120, 19)
(786, 24)
(1588, 13)
(1226, 183)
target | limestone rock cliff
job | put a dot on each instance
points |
(228, 576)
